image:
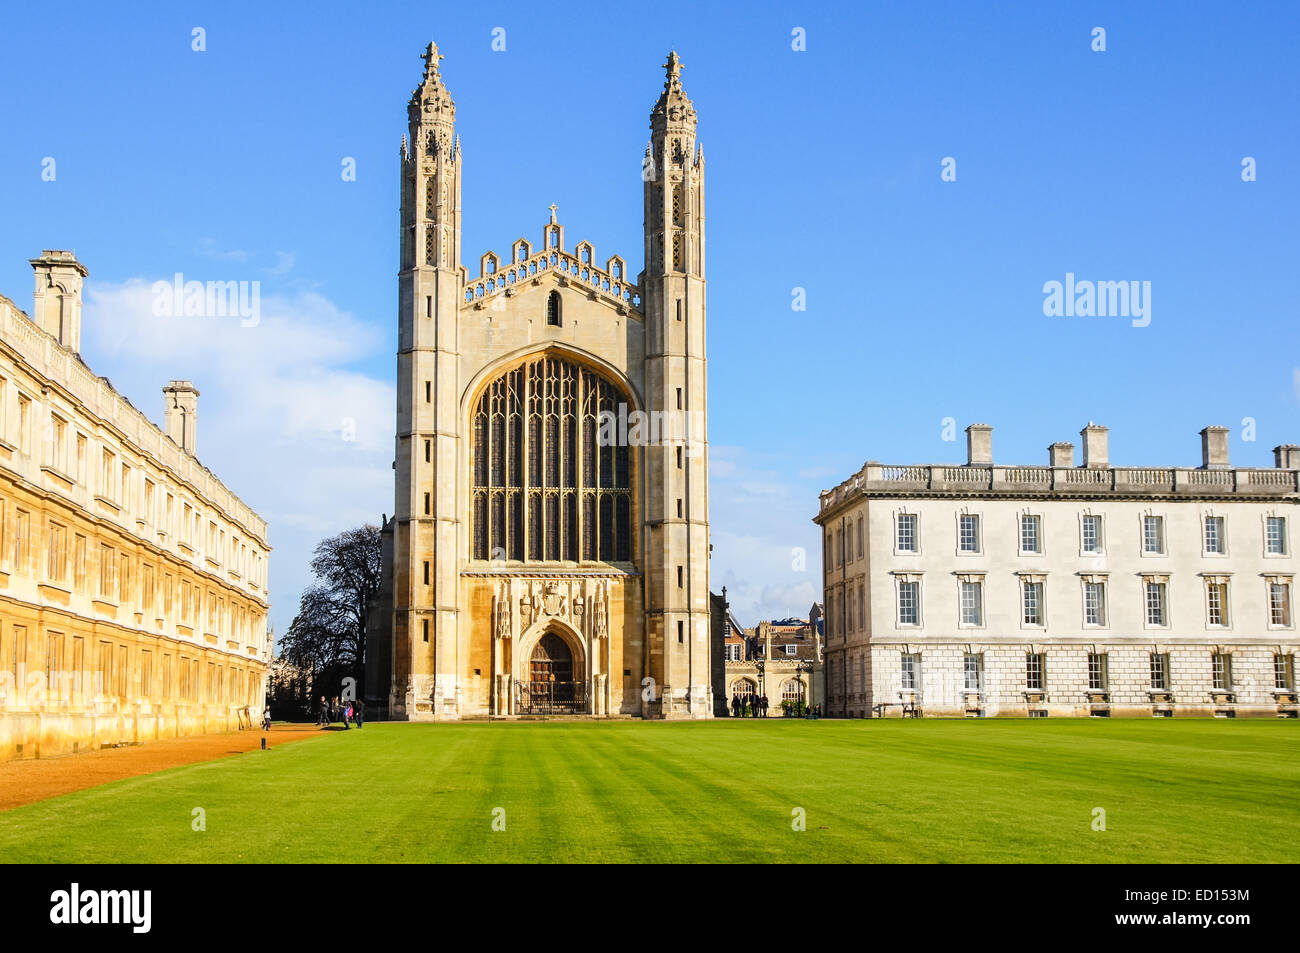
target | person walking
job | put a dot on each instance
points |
(762, 704)
(266, 718)
(735, 706)
(321, 713)
(359, 711)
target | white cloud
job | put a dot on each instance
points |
(285, 420)
(765, 546)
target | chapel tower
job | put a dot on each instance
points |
(676, 534)
(428, 429)
(535, 566)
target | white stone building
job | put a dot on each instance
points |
(985, 589)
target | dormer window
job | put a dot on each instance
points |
(553, 309)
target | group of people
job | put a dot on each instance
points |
(754, 705)
(332, 710)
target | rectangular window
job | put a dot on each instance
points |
(973, 665)
(968, 533)
(1221, 668)
(424, 626)
(1034, 671)
(1159, 671)
(1094, 603)
(681, 633)
(428, 392)
(1031, 534)
(907, 532)
(1155, 603)
(1275, 535)
(972, 603)
(79, 562)
(24, 424)
(791, 650)
(1091, 534)
(56, 554)
(1153, 534)
(22, 540)
(1217, 604)
(861, 539)
(911, 663)
(1284, 672)
(1279, 603)
(909, 600)
(1214, 539)
(679, 577)
(56, 451)
(82, 445)
(1097, 674)
(862, 605)
(1033, 603)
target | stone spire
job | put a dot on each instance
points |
(431, 110)
(674, 107)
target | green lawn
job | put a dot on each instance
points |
(1200, 791)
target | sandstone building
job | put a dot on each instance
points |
(1099, 590)
(132, 583)
(782, 659)
(543, 561)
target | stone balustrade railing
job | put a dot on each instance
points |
(1119, 481)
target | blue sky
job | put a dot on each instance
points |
(924, 297)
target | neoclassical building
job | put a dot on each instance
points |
(989, 589)
(550, 543)
(132, 582)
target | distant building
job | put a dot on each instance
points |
(781, 659)
(133, 595)
(987, 589)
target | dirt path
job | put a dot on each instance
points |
(24, 782)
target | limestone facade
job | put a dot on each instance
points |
(542, 561)
(133, 595)
(985, 589)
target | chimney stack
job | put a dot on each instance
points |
(1287, 456)
(57, 300)
(1061, 454)
(1096, 452)
(1214, 448)
(979, 445)
(181, 413)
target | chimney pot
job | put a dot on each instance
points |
(1096, 450)
(1286, 456)
(979, 445)
(181, 413)
(1214, 448)
(57, 299)
(1061, 454)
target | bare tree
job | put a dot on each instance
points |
(328, 635)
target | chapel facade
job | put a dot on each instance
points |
(549, 549)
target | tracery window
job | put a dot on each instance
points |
(544, 488)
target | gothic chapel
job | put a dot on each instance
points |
(533, 565)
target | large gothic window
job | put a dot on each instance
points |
(544, 489)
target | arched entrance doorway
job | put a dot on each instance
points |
(554, 684)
